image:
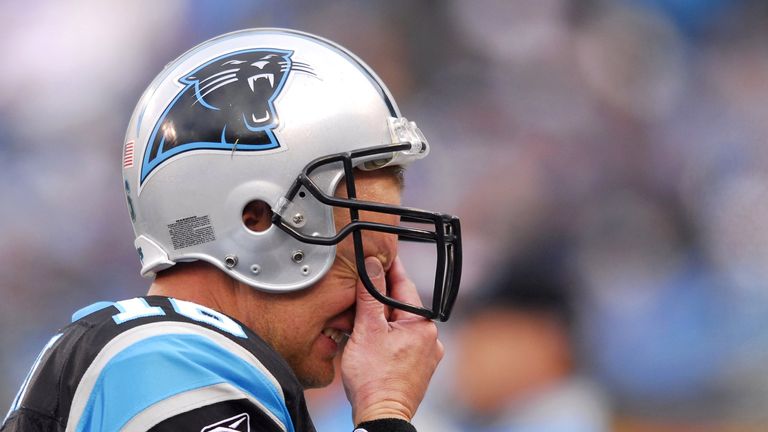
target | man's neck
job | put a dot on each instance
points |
(200, 283)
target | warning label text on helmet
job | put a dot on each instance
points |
(191, 231)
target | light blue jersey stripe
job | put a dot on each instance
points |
(161, 367)
(90, 309)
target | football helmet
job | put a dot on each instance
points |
(277, 116)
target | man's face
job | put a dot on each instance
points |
(300, 325)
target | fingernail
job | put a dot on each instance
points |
(373, 267)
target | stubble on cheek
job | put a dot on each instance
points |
(297, 353)
(299, 347)
(312, 371)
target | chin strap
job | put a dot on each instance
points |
(385, 425)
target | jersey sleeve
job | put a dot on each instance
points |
(178, 379)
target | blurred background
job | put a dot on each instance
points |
(608, 160)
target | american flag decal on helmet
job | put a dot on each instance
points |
(128, 155)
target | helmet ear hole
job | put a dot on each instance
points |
(257, 216)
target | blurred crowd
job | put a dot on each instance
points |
(608, 159)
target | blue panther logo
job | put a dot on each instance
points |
(226, 104)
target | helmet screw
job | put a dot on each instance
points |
(297, 256)
(230, 261)
(255, 269)
(298, 219)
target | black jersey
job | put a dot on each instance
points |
(159, 364)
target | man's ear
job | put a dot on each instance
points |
(257, 216)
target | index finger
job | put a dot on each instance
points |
(401, 288)
(370, 314)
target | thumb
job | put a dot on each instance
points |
(369, 312)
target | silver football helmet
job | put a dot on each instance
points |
(278, 116)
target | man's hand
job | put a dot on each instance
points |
(388, 361)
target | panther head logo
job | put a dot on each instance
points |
(226, 104)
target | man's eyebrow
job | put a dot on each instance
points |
(399, 173)
(396, 172)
